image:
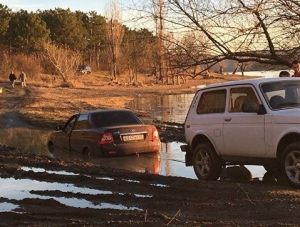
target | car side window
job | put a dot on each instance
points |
(212, 102)
(82, 122)
(240, 95)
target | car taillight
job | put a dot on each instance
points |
(107, 138)
(155, 135)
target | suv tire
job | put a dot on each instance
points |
(290, 164)
(207, 164)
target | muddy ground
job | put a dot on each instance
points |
(141, 199)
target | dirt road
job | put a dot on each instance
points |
(42, 191)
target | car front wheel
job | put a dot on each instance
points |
(207, 164)
(290, 164)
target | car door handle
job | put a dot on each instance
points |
(227, 119)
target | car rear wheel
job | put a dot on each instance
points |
(290, 164)
(207, 164)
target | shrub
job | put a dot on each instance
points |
(18, 63)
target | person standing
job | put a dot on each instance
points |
(23, 79)
(12, 78)
(296, 68)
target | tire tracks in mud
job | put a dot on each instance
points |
(12, 100)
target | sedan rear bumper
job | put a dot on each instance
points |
(128, 149)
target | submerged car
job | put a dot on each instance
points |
(106, 133)
(247, 122)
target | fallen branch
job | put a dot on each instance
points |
(146, 216)
(178, 212)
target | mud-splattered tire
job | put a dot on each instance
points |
(290, 164)
(207, 164)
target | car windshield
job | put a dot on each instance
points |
(114, 118)
(282, 94)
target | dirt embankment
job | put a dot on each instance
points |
(79, 193)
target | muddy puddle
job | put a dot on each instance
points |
(19, 189)
(169, 162)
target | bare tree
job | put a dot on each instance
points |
(63, 59)
(114, 33)
(263, 31)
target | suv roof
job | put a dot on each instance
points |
(254, 81)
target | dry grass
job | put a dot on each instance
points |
(85, 80)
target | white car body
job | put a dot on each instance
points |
(259, 136)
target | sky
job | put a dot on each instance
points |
(33, 5)
(100, 6)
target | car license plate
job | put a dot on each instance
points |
(133, 137)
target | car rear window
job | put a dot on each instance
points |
(114, 118)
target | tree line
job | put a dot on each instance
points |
(58, 41)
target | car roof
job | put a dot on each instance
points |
(104, 111)
(255, 82)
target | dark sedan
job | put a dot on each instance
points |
(106, 133)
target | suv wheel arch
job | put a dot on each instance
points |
(198, 139)
(206, 163)
(290, 164)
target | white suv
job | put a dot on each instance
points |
(247, 122)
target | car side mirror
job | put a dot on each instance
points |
(261, 109)
(252, 107)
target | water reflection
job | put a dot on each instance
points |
(13, 189)
(169, 162)
(149, 163)
(41, 170)
(166, 108)
(7, 207)
(173, 161)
